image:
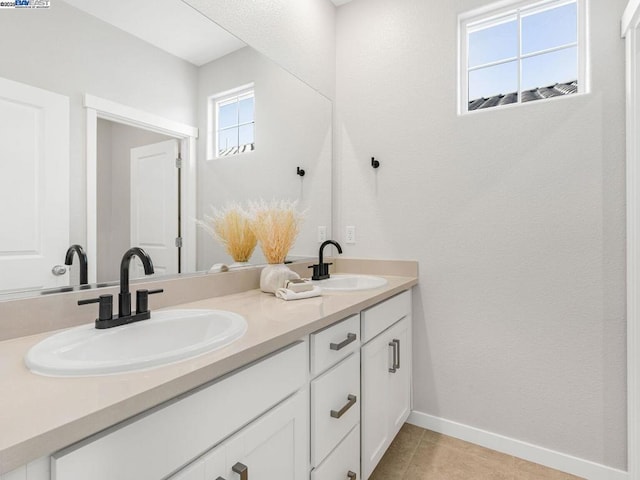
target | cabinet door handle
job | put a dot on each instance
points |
(351, 401)
(397, 342)
(220, 478)
(394, 346)
(242, 470)
(351, 337)
(352, 475)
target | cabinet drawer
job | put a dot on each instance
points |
(153, 445)
(334, 343)
(380, 317)
(344, 462)
(335, 406)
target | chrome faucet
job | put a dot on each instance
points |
(105, 318)
(82, 258)
(321, 271)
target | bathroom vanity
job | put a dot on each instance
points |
(315, 389)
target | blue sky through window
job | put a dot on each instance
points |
(541, 30)
(228, 115)
(550, 28)
(492, 44)
(246, 110)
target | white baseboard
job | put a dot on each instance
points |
(533, 453)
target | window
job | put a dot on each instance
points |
(522, 53)
(231, 123)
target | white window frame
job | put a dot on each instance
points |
(213, 103)
(497, 13)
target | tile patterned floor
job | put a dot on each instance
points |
(418, 454)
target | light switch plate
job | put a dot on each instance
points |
(322, 234)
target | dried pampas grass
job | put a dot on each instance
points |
(276, 224)
(231, 226)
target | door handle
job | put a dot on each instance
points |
(351, 401)
(58, 270)
(242, 470)
(352, 475)
(394, 346)
(351, 337)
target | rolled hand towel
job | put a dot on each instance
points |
(287, 294)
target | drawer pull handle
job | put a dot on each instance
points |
(241, 469)
(352, 475)
(394, 367)
(397, 342)
(352, 400)
(220, 478)
(351, 337)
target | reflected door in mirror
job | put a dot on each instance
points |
(34, 186)
(155, 205)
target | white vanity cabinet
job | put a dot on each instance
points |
(161, 442)
(386, 376)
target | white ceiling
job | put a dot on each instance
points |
(170, 25)
(337, 3)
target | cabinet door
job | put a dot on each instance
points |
(386, 397)
(274, 447)
(399, 389)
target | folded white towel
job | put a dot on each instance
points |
(286, 294)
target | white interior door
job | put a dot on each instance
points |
(34, 186)
(155, 205)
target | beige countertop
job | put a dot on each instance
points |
(40, 415)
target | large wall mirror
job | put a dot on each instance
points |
(96, 108)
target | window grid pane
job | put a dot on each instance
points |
(550, 28)
(495, 80)
(494, 43)
(549, 69)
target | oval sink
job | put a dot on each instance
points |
(168, 336)
(348, 282)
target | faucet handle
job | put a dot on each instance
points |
(321, 271)
(316, 271)
(105, 311)
(142, 299)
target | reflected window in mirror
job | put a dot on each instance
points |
(231, 123)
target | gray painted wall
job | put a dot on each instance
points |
(516, 216)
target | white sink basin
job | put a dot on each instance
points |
(168, 336)
(350, 283)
